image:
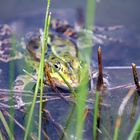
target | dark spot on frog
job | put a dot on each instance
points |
(62, 46)
(49, 51)
(19, 83)
(63, 28)
(67, 30)
(33, 44)
(69, 64)
(51, 37)
(53, 58)
(59, 52)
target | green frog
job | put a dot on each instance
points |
(60, 58)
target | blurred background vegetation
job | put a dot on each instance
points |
(108, 12)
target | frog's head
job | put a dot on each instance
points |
(66, 65)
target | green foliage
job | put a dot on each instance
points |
(81, 102)
(86, 57)
(90, 13)
(40, 78)
(135, 133)
(6, 126)
(96, 112)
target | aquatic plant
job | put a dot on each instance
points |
(78, 98)
(83, 87)
(40, 78)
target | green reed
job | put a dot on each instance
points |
(83, 87)
(11, 79)
(81, 102)
(67, 83)
(44, 47)
(1, 136)
(96, 112)
(39, 83)
(6, 126)
(135, 132)
(90, 13)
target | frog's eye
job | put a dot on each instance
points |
(57, 66)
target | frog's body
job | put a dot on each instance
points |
(60, 56)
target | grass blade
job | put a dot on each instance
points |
(96, 112)
(11, 79)
(10, 135)
(82, 94)
(44, 44)
(83, 87)
(135, 133)
(46, 28)
(90, 12)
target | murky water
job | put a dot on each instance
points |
(108, 12)
(28, 15)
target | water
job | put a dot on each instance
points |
(108, 12)
(28, 15)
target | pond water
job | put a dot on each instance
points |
(108, 12)
(28, 15)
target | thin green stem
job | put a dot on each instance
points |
(11, 79)
(67, 83)
(1, 136)
(90, 13)
(46, 30)
(40, 77)
(32, 106)
(135, 133)
(85, 56)
(82, 94)
(10, 135)
(116, 134)
(96, 112)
